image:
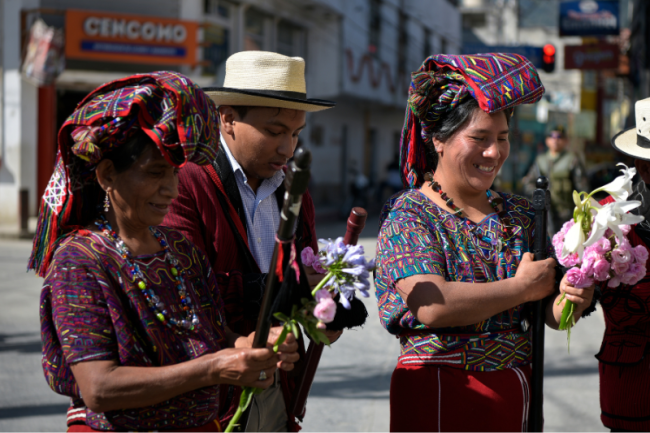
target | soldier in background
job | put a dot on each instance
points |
(565, 172)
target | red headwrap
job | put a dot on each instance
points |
(168, 107)
(496, 81)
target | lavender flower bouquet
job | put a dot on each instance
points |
(346, 272)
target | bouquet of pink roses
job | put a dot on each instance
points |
(594, 244)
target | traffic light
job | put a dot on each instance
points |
(548, 58)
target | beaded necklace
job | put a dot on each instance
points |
(494, 202)
(155, 303)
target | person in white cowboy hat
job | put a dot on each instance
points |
(230, 209)
(624, 364)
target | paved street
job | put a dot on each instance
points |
(351, 388)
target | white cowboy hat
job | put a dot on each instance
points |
(635, 142)
(264, 79)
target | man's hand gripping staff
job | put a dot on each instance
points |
(296, 182)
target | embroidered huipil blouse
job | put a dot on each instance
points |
(418, 237)
(91, 309)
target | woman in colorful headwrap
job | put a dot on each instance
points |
(465, 349)
(132, 320)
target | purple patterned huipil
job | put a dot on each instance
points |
(91, 309)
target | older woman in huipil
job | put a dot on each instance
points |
(132, 320)
(454, 268)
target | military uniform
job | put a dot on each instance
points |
(566, 174)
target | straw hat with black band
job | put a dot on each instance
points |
(635, 142)
(265, 79)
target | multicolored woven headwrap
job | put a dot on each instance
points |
(167, 106)
(497, 81)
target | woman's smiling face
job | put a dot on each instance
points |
(141, 195)
(473, 156)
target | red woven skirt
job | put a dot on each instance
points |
(213, 426)
(433, 398)
(625, 396)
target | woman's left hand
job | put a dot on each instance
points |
(580, 297)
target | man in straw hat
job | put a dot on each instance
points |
(231, 209)
(624, 364)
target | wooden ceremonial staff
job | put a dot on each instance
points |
(541, 204)
(295, 183)
(356, 223)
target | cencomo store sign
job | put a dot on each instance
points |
(91, 35)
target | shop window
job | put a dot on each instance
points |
(216, 39)
(255, 30)
(427, 50)
(217, 8)
(374, 35)
(290, 39)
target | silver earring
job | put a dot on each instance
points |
(107, 203)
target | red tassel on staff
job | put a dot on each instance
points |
(278, 265)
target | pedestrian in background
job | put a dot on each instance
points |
(565, 172)
(454, 263)
(133, 324)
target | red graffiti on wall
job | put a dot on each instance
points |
(375, 74)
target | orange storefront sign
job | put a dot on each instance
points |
(92, 35)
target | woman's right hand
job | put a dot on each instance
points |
(242, 367)
(537, 278)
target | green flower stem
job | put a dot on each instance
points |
(282, 336)
(567, 314)
(567, 322)
(322, 283)
(249, 391)
(244, 401)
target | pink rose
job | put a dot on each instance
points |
(635, 273)
(322, 294)
(587, 266)
(620, 268)
(558, 240)
(622, 254)
(614, 282)
(602, 246)
(601, 270)
(325, 310)
(578, 279)
(568, 261)
(307, 256)
(625, 228)
(640, 254)
(318, 267)
(641, 271)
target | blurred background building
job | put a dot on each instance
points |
(591, 56)
(358, 52)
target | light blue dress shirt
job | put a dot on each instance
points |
(262, 213)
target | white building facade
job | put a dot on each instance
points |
(359, 53)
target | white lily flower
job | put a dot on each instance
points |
(621, 187)
(574, 241)
(611, 216)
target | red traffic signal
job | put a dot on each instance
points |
(548, 58)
